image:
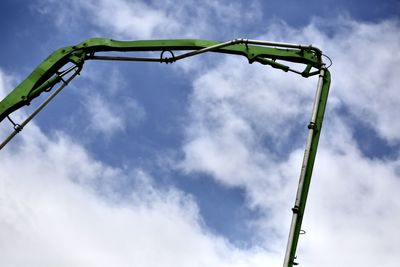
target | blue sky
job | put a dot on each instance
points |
(197, 163)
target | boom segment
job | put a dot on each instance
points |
(47, 74)
(64, 61)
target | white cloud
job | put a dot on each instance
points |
(354, 209)
(234, 110)
(102, 117)
(61, 207)
(153, 19)
(109, 109)
(368, 65)
(351, 218)
(49, 218)
(242, 118)
(109, 119)
(364, 70)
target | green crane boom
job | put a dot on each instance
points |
(64, 61)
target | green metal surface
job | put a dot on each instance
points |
(38, 81)
(321, 106)
(47, 74)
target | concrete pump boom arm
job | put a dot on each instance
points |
(64, 61)
(47, 73)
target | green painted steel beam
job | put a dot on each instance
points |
(50, 72)
(38, 81)
(310, 153)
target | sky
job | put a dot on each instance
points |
(197, 163)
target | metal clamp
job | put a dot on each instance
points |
(167, 60)
(17, 127)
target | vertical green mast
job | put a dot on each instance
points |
(314, 130)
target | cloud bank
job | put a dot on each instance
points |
(352, 196)
(62, 207)
(246, 128)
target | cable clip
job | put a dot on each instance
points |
(17, 127)
(312, 125)
(59, 74)
(166, 59)
(295, 263)
(295, 209)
